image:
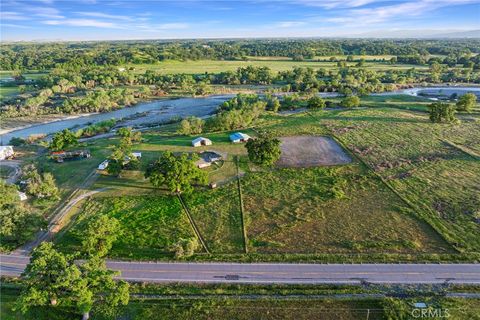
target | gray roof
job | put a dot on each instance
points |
(199, 139)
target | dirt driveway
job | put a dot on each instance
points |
(311, 151)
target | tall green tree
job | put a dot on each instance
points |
(264, 150)
(442, 112)
(177, 173)
(63, 139)
(54, 279)
(191, 125)
(99, 236)
(466, 102)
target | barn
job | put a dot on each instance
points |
(239, 137)
(201, 141)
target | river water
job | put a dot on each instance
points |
(148, 113)
(164, 110)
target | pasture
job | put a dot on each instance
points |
(406, 190)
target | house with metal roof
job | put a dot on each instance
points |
(201, 141)
(239, 137)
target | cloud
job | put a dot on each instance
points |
(290, 24)
(82, 23)
(11, 15)
(11, 25)
(103, 15)
(174, 25)
(388, 12)
(333, 4)
(45, 12)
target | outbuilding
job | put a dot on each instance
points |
(103, 165)
(6, 152)
(201, 141)
(239, 137)
(22, 196)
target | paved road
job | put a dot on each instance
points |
(11, 265)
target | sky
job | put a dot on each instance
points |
(74, 20)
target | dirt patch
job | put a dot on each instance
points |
(311, 151)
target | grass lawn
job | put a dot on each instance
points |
(150, 225)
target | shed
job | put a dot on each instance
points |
(201, 141)
(238, 137)
(22, 196)
(137, 155)
(6, 152)
(103, 165)
(420, 305)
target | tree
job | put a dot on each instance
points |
(40, 185)
(178, 173)
(191, 125)
(17, 224)
(185, 248)
(128, 134)
(442, 112)
(54, 279)
(99, 236)
(264, 150)
(466, 102)
(350, 102)
(114, 167)
(63, 139)
(316, 102)
(50, 278)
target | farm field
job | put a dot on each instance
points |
(215, 66)
(411, 154)
(392, 198)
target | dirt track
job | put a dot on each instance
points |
(311, 151)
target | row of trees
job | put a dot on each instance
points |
(445, 112)
(47, 56)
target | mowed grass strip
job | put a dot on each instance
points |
(330, 210)
(409, 151)
(149, 225)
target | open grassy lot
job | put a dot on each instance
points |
(217, 215)
(335, 209)
(409, 152)
(150, 225)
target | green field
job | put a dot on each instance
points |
(215, 66)
(408, 192)
(149, 226)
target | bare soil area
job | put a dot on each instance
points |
(311, 151)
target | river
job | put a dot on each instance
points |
(164, 110)
(148, 113)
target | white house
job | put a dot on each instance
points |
(6, 152)
(238, 137)
(103, 165)
(137, 155)
(201, 141)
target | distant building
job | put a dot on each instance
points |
(207, 158)
(201, 141)
(22, 196)
(420, 305)
(6, 152)
(239, 137)
(103, 165)
(121, 69)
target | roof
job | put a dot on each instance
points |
(6, 148)
(239, 136)
(199, 139)
(420, 305)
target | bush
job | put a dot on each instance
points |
(442, 112)
(16, 142)
(350, 102)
